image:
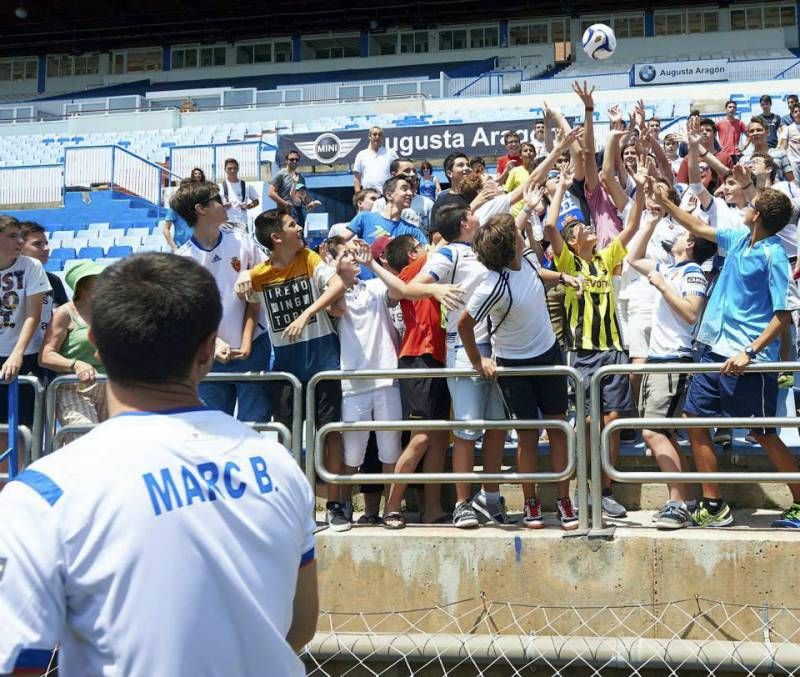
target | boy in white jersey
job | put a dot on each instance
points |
(512, 298)
(171, 539)
(242, 341)
(681, 289)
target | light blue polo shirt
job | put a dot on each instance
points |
(751, 288)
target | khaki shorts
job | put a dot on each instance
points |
(556, 306)
(662, 396)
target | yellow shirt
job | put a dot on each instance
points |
(516, 177)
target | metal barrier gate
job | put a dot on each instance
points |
(31, 440)
(576, 452)
(600, 441)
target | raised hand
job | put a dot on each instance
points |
(693, 134)
(584, 93)
(566, 177)
(615, 114)
(360, 251)
(533, 196)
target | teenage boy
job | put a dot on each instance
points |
(369, 226)
(242, 343)
(512, 158)
(239, 196)
(742, 325)
(681, 289)
(418, 213)
(297, 287)
(512, 299)
(730, 130)
(594, 332)
(112, 541)
(456, 169)
(362, 202)
(771, 120)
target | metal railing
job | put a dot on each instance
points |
(53, 438)
(601, 441)
(13, 429)
(31, 184)
(210, 157)
(576, 452)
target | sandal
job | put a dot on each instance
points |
(369, 520)
(394, 520)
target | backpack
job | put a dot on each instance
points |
(225, 191)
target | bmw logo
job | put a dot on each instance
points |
(647, 73)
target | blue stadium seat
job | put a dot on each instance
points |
(119, 252)
(54, 265)
(63, 253)
(91, 253)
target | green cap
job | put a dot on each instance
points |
(81, 270)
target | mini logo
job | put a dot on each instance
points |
(216, 258)
(327, 148)
(236, 264)
(647, 73)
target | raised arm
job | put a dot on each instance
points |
(589, 162)
(689, 221)
(608, 176)
(693, 138)
(635, 213)
(637, 256)
(551, 233)
(564, 142)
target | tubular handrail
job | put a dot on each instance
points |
(296, 432)
(34, 448)
(579, 450)
(27, 440)
(600, 451)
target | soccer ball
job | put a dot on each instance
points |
(599, 41)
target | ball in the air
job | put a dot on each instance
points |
(599, 41)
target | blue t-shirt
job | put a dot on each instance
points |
(751, 288)
(181, 231)
(427, 188)
(369, 226)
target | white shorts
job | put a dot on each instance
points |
(473, 398)
(382, 404)
(640, 322)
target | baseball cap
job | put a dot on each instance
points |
(80, 271)
(379, 246)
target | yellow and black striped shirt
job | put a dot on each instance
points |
(591, 317)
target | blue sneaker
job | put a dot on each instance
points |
(790, 519)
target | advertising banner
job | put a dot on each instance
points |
(676, 72)
(433, 141)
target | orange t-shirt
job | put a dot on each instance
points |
(424, 334)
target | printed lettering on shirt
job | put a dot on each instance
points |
(10, 283)
(286, 300)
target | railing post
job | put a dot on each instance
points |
(13, 428)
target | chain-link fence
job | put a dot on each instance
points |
(478, 636)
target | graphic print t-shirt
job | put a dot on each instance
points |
(286, 293)
(23, 278)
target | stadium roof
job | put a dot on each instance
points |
(78, 26)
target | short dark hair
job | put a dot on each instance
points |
(425, 165)
(792, 96)
(229, 160)
(471, 186)
(267, 224)
(528, 144)
(707, 122)
(538, 121)
(293, 152)
(197, 169)
(189, 194)
(8, 222)
(28, 228)
(361, 194)
(397, 251)
(774, 208)
(390, 185)
(477, 160)
(703, 250)
(449, 219)
(495, 243)
(731, 101)
(450, 160)
(765, 98)
(395, 164)
(150, 313)
(769, 163)
(510, 135)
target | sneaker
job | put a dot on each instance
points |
(657, 514)
(722, 436)
(464, 516)
(532, 514)
(703, 517)
(347, 509)
(612, 507)
(674, 515)
(790, 519)
(335, 517)
(785, 379)
(567, 515)
(494, 511)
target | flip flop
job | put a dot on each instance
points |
(394, 520)
(369, 520)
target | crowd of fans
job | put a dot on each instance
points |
(657, 247)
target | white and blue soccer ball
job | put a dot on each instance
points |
(599, 41)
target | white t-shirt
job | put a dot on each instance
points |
(25, 277)
(233, 253)
(374, 167)
(157, 544)
(514, 302)
(339, 229)
(418, 214)
(497, 205)
(671, 337)
(368, 335)
(237, 213)
(456, 263)
(792, 135)
(788, 234)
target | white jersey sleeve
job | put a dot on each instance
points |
(693, 282)
(490, 297)
(37, 282)
(32, 594)
(441, 264)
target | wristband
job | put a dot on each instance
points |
(527, 209)
(747, 186)
(589, 108)
(561, 278)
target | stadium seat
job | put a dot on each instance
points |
(114, 232)
(91, 253)
(63, 253)
(102, 242)
(154, 240)
(128, 241)
(63, 235)
(106, 261)
(54, 265)
(138, 232)
(84, 234)
(71, 263)
(79, 242)
(98, 226)
(119, 251)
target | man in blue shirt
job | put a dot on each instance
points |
(743, 322)
(369, 226)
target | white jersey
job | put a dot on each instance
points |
(157, 544)
(418, 214)
(788, 234)
(368, 335)
(456, 263)
(23, 278)
(514, 301)
(671, 337)
(236, 212)
(373, 166)
(497, 205)
(234, 251)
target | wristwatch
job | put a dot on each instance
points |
(751, 352)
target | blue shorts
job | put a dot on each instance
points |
(716, 394)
